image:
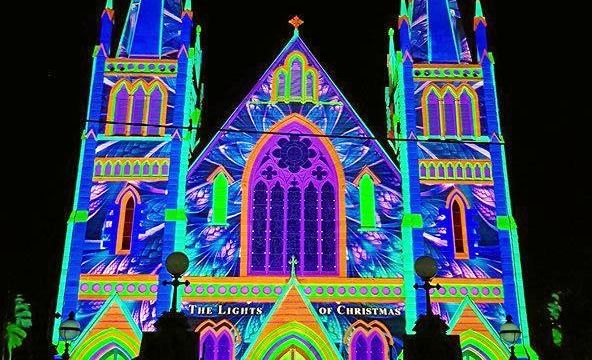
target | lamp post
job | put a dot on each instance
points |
(510, 333)
(426, 268)
(176, 264)
(430, 340)
(69, 330)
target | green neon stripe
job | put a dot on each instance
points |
(78, 216)
(220, 200)
(407, 232)
(175, 215)
(367, 202)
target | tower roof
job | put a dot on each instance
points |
(437, 34)
(152, 29)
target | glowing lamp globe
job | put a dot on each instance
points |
(509, 332)
(177, 263)
(426, 267)
(69, 328)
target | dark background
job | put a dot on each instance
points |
(538, 71)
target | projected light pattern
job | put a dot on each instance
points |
(300, 228)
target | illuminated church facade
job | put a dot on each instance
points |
(300, 226)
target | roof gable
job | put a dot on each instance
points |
(329, 110)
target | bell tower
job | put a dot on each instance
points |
(442, 111)
(129, 205)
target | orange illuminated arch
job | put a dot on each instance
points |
(127, 200)
(340, 191)
(457, 203)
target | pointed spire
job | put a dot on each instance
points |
(188, 6)
(478, 9)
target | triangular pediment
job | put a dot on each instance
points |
(318, 99)
(471, 325)
(112, 326)
(293, 317)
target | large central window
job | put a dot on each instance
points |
(292, 205)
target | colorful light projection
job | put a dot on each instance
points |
(300, 229)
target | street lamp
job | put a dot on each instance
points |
(426, 268)
(176, 264)
(69, 330)
(510, 333)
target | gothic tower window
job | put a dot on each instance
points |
(127, 201)
(450, 123)
(135, 105)
(456, 205)
(291, 205)
(433, 113)
(450, 111)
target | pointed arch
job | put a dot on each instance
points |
(457, 204)
(293, 334)
(156, 109)
(217, 340)
(220, 199)
(127, 199)
(450, 116)
(119, 108)
(256, 190)
(368, 341)
(431, 110)
(469, 116)
(295, 80)
(366, 182)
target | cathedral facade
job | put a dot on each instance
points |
(301, 227)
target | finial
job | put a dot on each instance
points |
(187, 5)
(293, 262)
(478, 9)
(296, 22)
(391, 32)
(109, 5)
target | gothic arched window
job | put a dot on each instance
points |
(220, 180)
(138, 106)
(450, 124)
(127, 201)
(458, 217)
(121, 111)
(450, 111)
(368, 341)
(433, 113)
(134, 105)
(217, 340)
(291, 206)
(156, 111)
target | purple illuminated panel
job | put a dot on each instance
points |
(293, 209)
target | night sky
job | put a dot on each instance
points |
(537, 72)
